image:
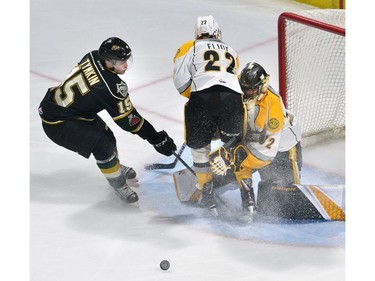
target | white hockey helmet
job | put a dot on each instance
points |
(207, 26)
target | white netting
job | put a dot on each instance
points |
(315, 72)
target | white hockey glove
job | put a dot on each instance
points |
(220, 161)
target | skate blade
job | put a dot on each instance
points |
(212, 212)
(132, 182)
(246, 219)
(134, 204)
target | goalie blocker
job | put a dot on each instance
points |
(296, 202)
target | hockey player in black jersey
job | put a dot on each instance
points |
(69, 113)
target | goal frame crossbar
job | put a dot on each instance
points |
(282, 48)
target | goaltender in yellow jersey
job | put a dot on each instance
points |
(271, 144)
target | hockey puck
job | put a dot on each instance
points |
(164, 264)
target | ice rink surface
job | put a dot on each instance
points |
(79, 230)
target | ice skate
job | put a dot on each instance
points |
(126, 194)
(248, 200)
(130, 176)
(207, 200)
(128, 172)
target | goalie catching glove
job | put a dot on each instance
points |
(221, 161)
(163, 143)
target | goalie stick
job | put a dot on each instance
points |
(160, 166)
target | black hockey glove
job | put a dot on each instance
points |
(163, 143)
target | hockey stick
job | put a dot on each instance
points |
(160, 166)
(227, 145)
(178, 157)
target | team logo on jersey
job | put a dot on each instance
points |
(133, 119)
(273, 123)
(122, 88)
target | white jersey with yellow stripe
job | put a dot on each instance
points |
(203, 63)
(291, 132)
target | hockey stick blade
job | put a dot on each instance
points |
(161, 166)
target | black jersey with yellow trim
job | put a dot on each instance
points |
(88, 89)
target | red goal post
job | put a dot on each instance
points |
(312, 69)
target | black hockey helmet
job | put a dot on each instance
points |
(253, 77)
(115, 49)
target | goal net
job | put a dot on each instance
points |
(312, 70)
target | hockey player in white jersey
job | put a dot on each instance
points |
(205, 72)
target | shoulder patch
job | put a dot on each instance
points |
(273, 123)
(122, 88)
(133, 119)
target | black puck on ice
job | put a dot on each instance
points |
(164, 264)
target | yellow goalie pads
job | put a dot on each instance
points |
(296, 202)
